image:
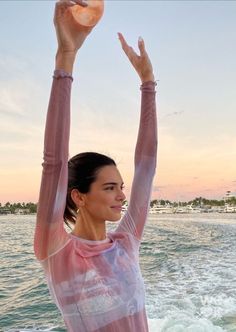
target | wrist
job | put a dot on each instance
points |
(148, 78)
(65, 60)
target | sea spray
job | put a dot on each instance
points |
(182, 323)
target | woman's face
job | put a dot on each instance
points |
(105, 198)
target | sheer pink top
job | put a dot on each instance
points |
(97, 285)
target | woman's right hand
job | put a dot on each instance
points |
(141, 63)
(70, 35)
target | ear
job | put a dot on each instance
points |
(78, 198)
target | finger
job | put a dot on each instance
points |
(64, 4)
(129, 51)
(141, 46)
(70, 3)
(61, 7)
(131, 54)
(123, 42)
(82, 3)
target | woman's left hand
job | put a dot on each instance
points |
(70, 35)
(141, 63)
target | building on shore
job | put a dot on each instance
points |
(228, 195)
(4, 211)
(22, 211)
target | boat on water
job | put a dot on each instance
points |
(161, 209)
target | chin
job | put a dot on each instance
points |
(114, 218)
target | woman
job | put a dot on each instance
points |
(93, 276)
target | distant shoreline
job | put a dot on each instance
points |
(198, 205)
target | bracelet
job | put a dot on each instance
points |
(60, 73)
(148, 84)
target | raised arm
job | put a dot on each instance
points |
(49, 233)
(146, 146)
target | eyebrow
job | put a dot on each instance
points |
(112, 183)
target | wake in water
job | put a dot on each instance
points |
(180, 322)
(34, 329)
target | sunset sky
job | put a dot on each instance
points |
(192, 45)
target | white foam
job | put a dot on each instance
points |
(178, 322)
(181, 322)
(34, 329)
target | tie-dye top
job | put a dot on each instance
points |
(97, 285)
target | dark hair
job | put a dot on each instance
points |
(82, 172)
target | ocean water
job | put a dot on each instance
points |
(188, 264)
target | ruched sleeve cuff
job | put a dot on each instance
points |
(148, 86)
(60, 73)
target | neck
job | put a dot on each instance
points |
(88, 229)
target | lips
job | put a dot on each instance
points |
(117, 208)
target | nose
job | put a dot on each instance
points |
(121, 196)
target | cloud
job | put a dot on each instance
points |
(11, 100)
(19, 103)
(21, 125)
(158, 188)
(172, 114)
(14, 65)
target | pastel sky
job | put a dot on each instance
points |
(192, 45)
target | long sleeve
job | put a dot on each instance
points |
(49, 232)
(145, 164)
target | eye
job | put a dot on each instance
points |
(122, 187)
(110, 188)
